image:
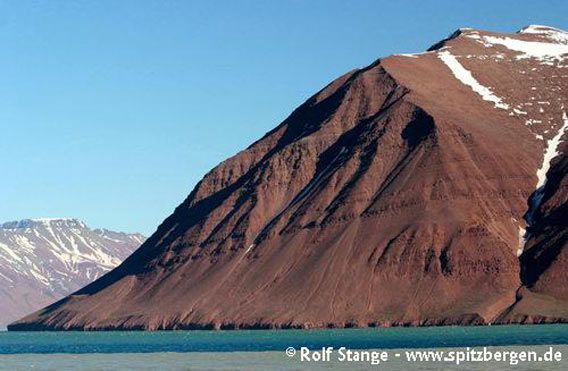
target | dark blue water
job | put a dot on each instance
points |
(266, 340)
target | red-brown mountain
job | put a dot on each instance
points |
(397, 195)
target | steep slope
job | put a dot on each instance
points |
(544, 295)
(394, 196)
(43, 260)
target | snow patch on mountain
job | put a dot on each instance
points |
(549, 50)
(551, 33)
(551, 152)
(467, 78)
(522, 241)
(543, 51)
(44, 259)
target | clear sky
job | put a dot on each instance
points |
(111, 111)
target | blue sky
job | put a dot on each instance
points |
(111, 111)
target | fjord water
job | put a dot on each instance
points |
(258, 361)
(262, 349)
(278, 340)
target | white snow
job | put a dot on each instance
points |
(522, 232)
(552, 33)
(50, 219)
(545, 52)
(10, 252)
(467, 78)
(416, 55)
(24, 243)
(56, 253)
(6, 277)
(38, 276)
(551, 152)
(531, 122)
(137, 238)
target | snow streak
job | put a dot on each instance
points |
(467, 78)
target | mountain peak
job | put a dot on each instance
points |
(540, 29)
(36, 222)
(548, 33)
(394, 196)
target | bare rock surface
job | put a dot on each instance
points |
(424, 189)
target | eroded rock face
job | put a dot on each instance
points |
(543, 298)
(394, 196)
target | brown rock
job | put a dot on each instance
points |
(392, 197)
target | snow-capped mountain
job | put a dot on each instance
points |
(42, 260)
(399, 194)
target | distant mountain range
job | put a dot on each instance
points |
(43, 260)
(423, 189)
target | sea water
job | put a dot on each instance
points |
(266, 349)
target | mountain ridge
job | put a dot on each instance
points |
(44, 259)
(396, 195)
